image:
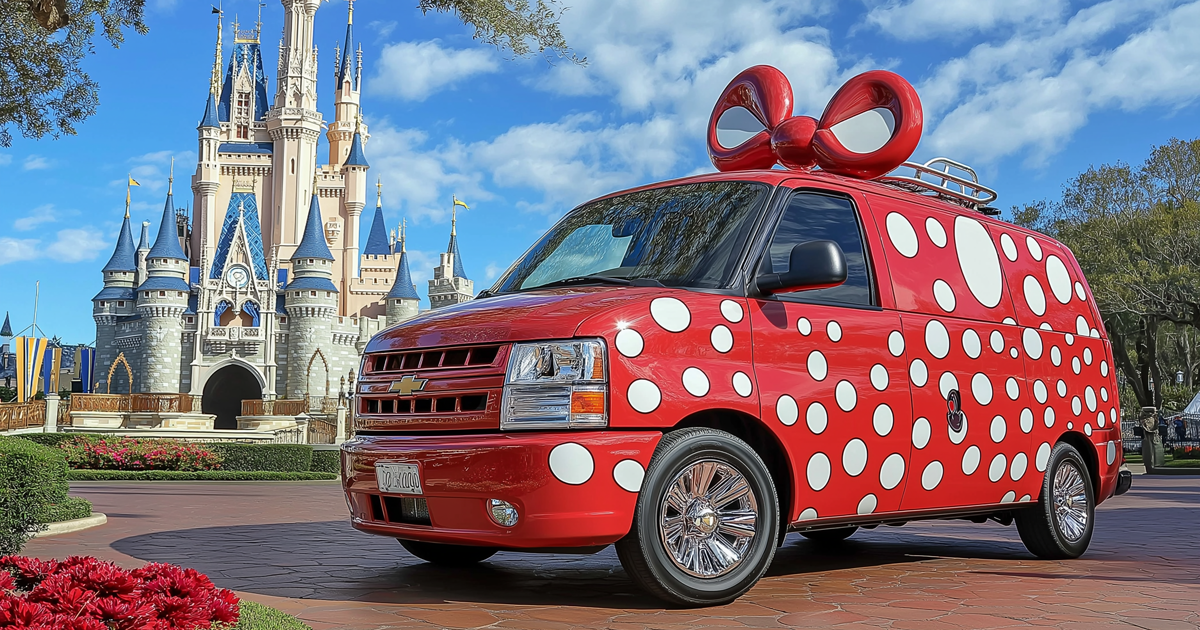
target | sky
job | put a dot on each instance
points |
(1029, 92)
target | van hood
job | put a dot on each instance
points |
(526, 316)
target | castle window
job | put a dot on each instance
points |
(191, 320)
(312, 294)
(120, 303)
(147, 294)
(283, 319)
(101, 304)
(243, 132)
(310, 261)
(162, 294)
(293, 166)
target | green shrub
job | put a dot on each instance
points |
(254, 616)
(54, 439)
(70, 509)
(32, 476)
(327, 461)
(264, 457)
(199, 475)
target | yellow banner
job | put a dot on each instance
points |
(30, 351)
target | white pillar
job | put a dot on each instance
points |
(52, 402)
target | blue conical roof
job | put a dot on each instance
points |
(356, 157)
(347, 67)
(459, 272)
(124, 257)
(166, 244)
(403, 288)
(312, 244)
(377, 239)
(6, 329)
(210, 113)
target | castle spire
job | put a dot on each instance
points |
(124, 256)
(312, 244)
(452, 248)
(377, 242)
(166, 244)
(357, 157)
(215, 82)
(403, 288)
(346, 70)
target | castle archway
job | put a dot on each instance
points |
(224, 392)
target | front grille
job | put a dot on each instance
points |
(434, 359)
(432, 389)
(406, 406)
(401, 510)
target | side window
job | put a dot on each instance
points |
(812, 216)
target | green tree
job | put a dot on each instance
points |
(45, 91)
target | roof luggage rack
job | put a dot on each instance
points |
(961, 187)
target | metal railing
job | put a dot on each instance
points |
(281, 407)
(321, 431)
(22, 415)
(162, 403)
(111, 403)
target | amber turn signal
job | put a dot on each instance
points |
(587, 402)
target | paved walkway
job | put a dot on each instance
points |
(288, 545)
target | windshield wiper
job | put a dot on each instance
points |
(592, 279)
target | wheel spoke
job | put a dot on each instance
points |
(702, 476)
(708, 518)
(731, 488)
(740, 523)
(723, 555)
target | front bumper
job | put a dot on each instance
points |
(459, 473)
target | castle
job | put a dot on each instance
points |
(266, 292)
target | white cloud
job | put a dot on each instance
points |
(36, 163)
(151, 170)
(414, 70)
(18, 249)
(76, 245)
(39, 215)
(384, 29)
(5, 159)
(956, 19)
(419, 180)
(492, 271)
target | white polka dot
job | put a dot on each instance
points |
(997, 467)
(1019, 463)
(1101, 419)
(1044, 326)
(1112, 415)
(1011, 388)
(1111, 453)
(1009, 247)
(721, 338)
(1025, 498)
(1048, 417)
(1075, 367)
(981, 388)
(1060, 280)
(936, 232)
(896, 343)
(1079, 293)
(932, 475)
(854, 457)
(1032, 340)
(846, 395)
(732, 311)
(1087, 356)
(970, 342)
(1081, 326)
(803, 326)
(970, 460)
(1104, 369)
(1070, 339)
(1039, 391)
(1008, 497)
(643, 396)
(1055, 356)
(816, 417)
(1089, 397)
(1076, 406)
(1042, 458)
(1087, 428)
(818, 368)
(808, 514)
(997, 342)
(695, 382)
(921, 433)
(882, 420)
(918, 373)
(1026, 420)
(741, 384)
(1013, 352)
(1009, 321)
(670, 313)
(786, 410)
(868, 504)
(818, 471)
(957, 437)
(946, 383)
(978, 260)
(1061, 388)
(879, 377)
(902, 234)
(1095, 334)
(998, 429)
(834, 330)
(629, 475)
(629, 343)
(1070, 425)
(571, 463)
(1104, 394)
(937, 340)
(892, 471)
(1035, 248)
(1034, 297)
(944, 295)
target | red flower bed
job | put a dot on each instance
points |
(138, 454)
(83, 593)
(1187, 452)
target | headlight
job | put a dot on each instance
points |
(556, 385)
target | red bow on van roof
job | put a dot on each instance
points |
(871, 126)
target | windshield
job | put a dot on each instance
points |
(682, 236)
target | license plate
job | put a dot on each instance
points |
(397, 478)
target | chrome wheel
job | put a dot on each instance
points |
(1070, 502)
(708, 519)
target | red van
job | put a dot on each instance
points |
(693, 369)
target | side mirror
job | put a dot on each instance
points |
(812, 265)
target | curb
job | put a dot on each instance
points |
(66, 527)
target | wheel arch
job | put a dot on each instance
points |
(1088, 451)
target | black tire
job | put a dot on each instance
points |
(643, 551)
(830, 535)
(1048, 533)
(447, 555)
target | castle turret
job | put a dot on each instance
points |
(161, 301)
(311, 301)
(207, 179)
(347, 108)
(143, 248)
(449, 284)
(402, 300)
(116, 301)
(354, 173)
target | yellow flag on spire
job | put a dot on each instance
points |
(459, 202)
(133, 182)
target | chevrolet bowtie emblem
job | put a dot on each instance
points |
(408, 385)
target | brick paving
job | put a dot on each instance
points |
(288, 545)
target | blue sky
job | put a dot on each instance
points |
(1030, 92)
